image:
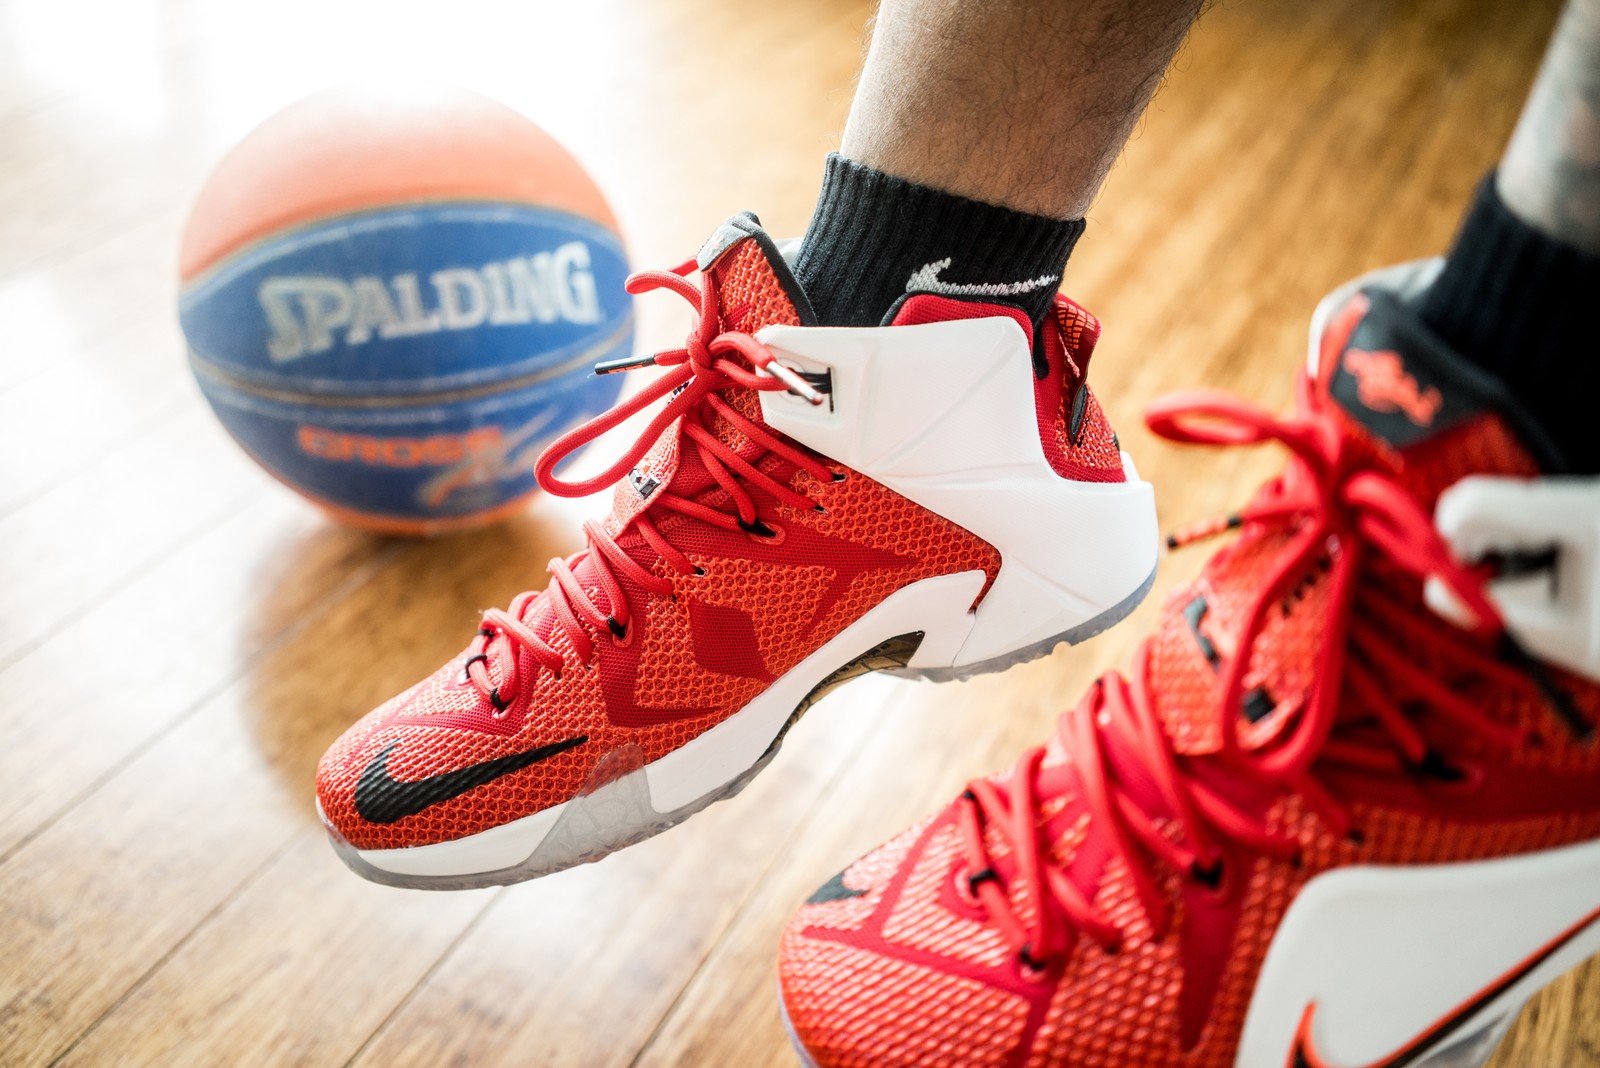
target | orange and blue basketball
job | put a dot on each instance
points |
(393, 298)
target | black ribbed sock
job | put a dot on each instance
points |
(1522, 305)
(874, 237)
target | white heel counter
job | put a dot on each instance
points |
(943, 413)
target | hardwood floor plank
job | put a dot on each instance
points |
(52, 407)
(107, 313)
(159, 647)
(83, 539)
(258, 984)
(202, 809)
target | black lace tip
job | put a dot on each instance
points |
(626, 363)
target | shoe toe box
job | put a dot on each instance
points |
(889, 964)
(440, 762)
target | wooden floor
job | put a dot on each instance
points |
(180, 638)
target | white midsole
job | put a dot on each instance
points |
(1386, 953)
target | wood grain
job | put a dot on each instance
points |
(180, 638)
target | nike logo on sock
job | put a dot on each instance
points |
(381, 798)
(925, 279)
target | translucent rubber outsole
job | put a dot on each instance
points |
(1471, 1050)
(613, 811)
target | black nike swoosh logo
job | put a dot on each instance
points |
(1304, 1054)
(381, 798)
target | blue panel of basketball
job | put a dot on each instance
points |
(429, 461)
(411, 362)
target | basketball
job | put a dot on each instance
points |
(394, 297)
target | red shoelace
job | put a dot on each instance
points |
(1339, 510)
(515, 641)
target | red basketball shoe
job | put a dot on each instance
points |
(940, 496)
(1317, 826)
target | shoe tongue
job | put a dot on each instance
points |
(755, 286)
(755, 289)
(1396, 382)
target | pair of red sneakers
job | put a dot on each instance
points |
(1344, 809)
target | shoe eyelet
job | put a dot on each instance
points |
(1211, 876)
(966, 885)
(762, 533)
(464, 678)
(1033, 971)
(699, 572)
(1356, 837)
(621, 634)
(500, 704)
(840, 476)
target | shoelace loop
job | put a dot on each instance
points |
(1340, 507)
(517, 639)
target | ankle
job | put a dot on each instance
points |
(875, 237)
(1520, 305)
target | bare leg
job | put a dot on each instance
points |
(1550, 176)
(1023, 104)
(979, 136)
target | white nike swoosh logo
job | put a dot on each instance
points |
(925, 279)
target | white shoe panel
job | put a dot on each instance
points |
(1553, 612)
(1385, 954)
(943, 414)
